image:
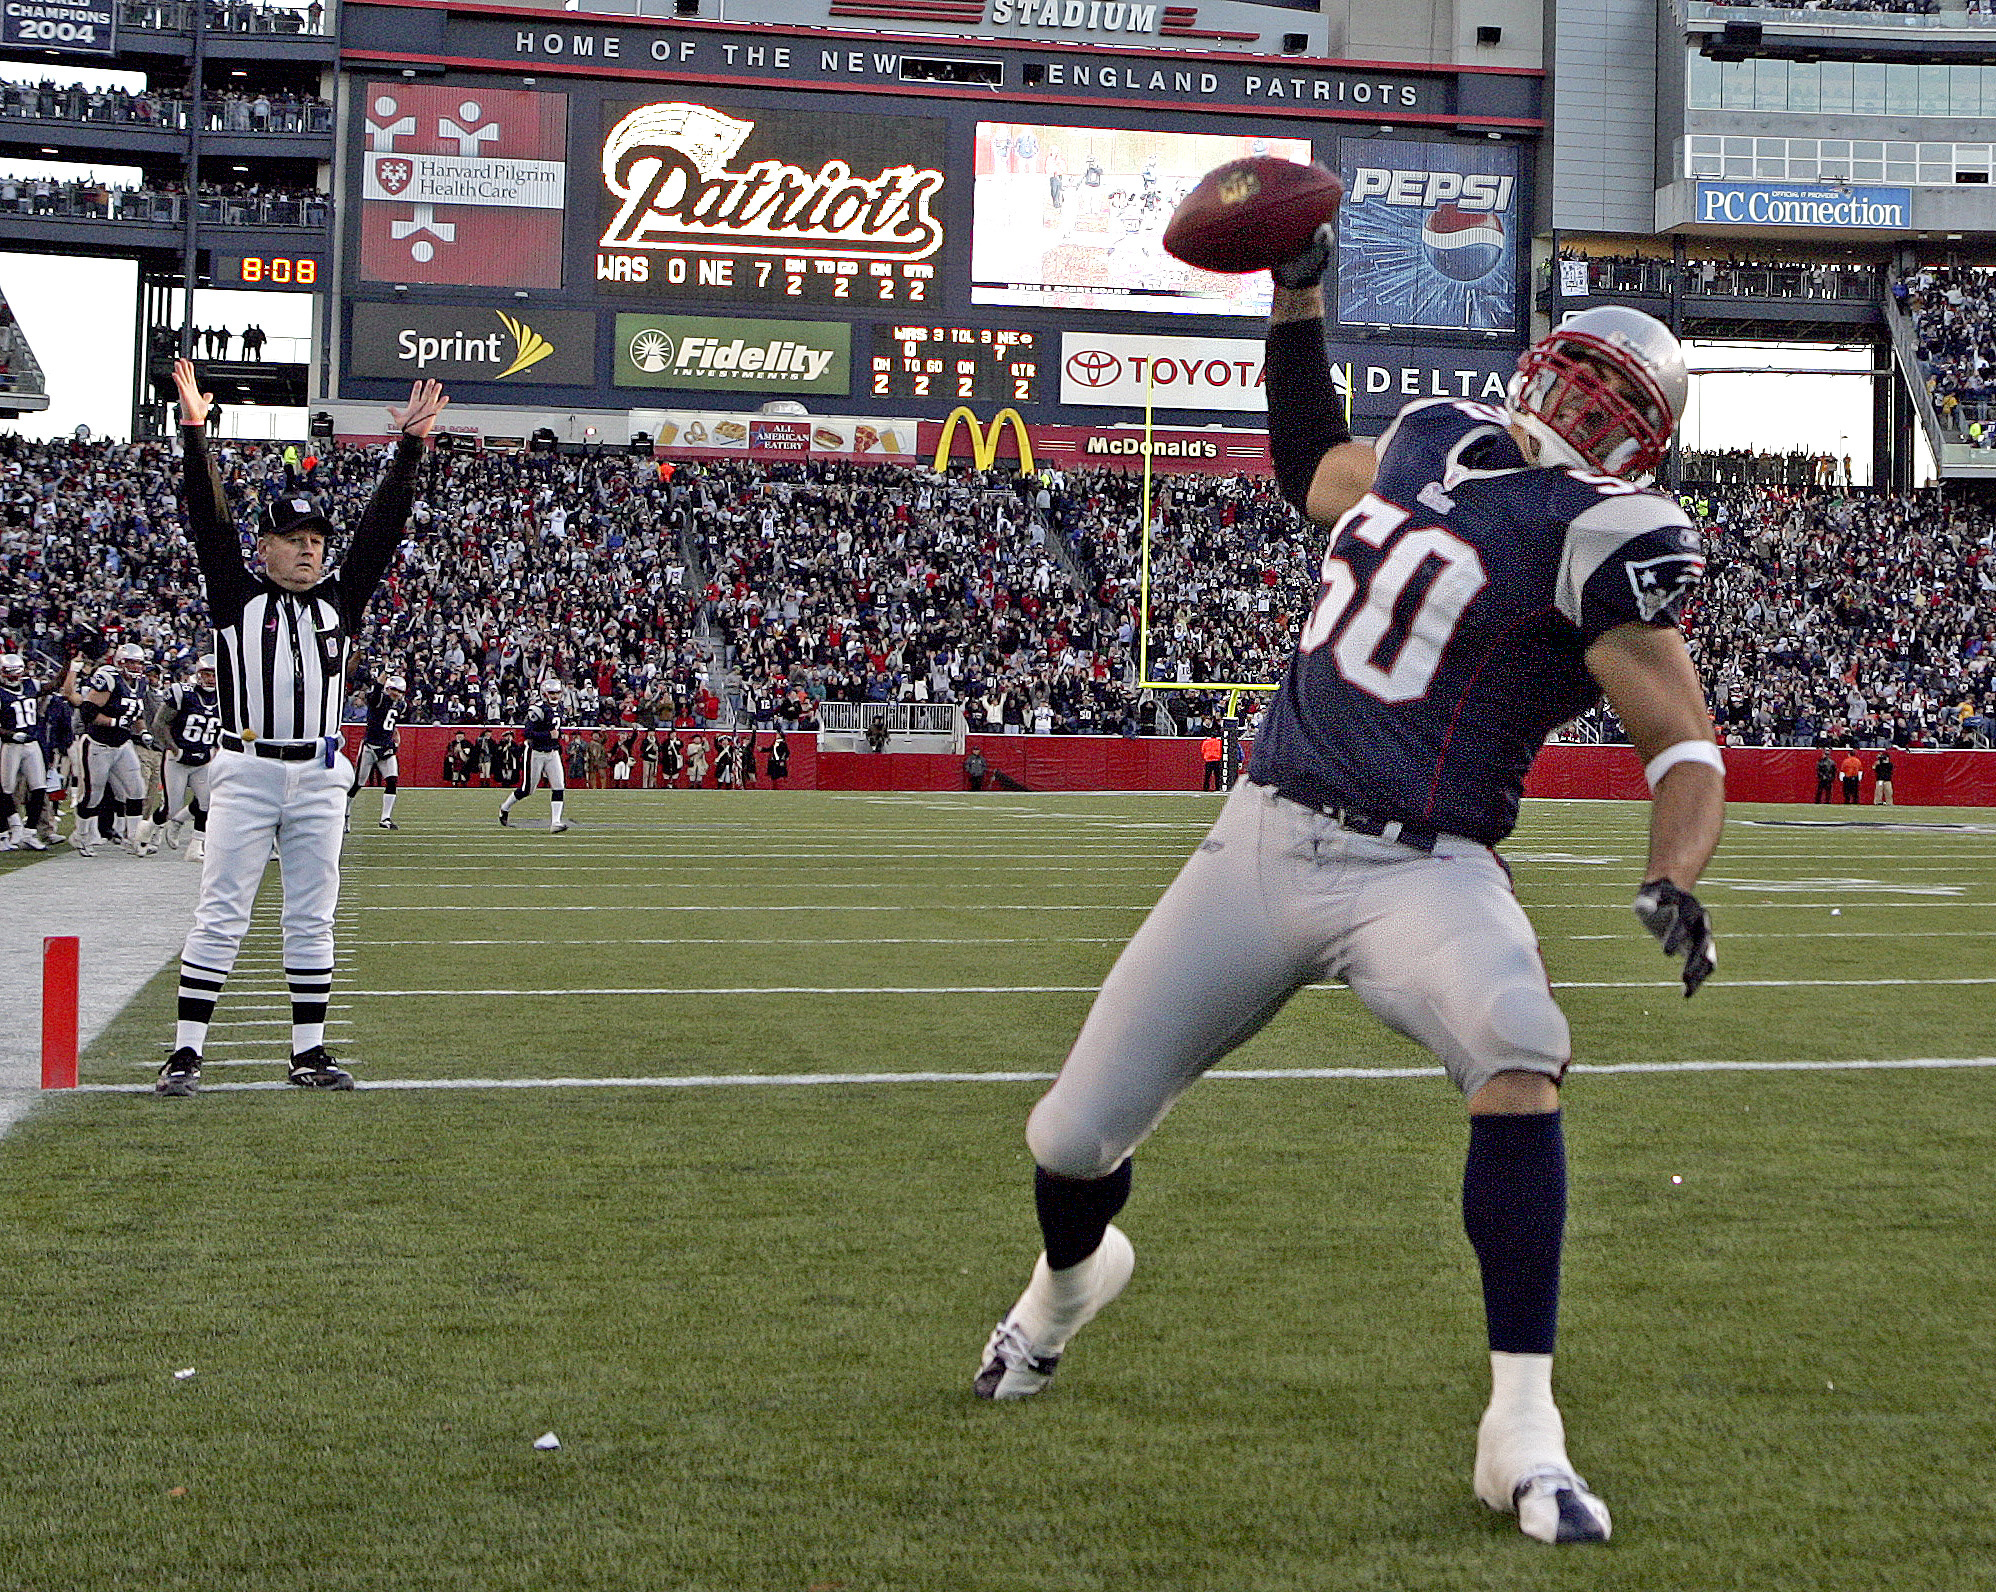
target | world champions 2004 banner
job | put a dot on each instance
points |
(1428, 235)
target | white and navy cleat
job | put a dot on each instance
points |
(1554, 1505)
(1017, 1364)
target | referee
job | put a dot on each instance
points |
(281, 642)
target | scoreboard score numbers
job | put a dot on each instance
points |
(292, 271)
(792, 279)
(955, 362)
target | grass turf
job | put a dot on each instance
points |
(751, 1313)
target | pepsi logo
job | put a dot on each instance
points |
(1464, 245)
(1094, 367)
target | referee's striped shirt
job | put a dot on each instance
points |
(281, 656)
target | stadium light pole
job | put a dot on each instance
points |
(196, 114)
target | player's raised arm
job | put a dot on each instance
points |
(1649, 680)
(1320, 469)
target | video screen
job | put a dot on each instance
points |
(1073, 218)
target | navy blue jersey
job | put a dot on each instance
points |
(20, 712)
(543, 727)
(194, 723)
(384, 713)
(123, 713)
(1458, 600)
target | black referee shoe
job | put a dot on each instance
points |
(181, 1075)
(389, 823)
(314, 1069)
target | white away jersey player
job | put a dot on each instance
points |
(1458, 599)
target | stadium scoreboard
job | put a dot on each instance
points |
(956, 362)
(829, 279)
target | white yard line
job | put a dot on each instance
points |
(130, 915)
(653, 991)
(1254, 1075)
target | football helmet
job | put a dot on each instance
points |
(551, 688)
(132, 660)
(13, 668)
(1602, 392)
(204, 669)
(395, 682)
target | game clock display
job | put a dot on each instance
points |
(289, 271)
(956, 362)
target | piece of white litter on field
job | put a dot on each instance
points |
(183, 1375)
(547, 1440)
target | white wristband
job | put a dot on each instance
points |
(1683, 752)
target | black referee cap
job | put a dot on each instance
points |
(294, 511)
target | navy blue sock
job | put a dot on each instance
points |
(1514, 1210)
(1076, 1211)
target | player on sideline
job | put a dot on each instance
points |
(543, 757)
(21, 761)
(113, 711)
(190, 726)
(1492, 572)
(377, 746)
(282, 639)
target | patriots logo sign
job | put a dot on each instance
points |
(1660, 584)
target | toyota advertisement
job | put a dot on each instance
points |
(1428, 235)
(1224, 374)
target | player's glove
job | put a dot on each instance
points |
(1307, 269)
(1675, 917)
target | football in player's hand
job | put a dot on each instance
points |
(1251, 215)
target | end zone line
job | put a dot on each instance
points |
(1234, 1075)
(663, 990)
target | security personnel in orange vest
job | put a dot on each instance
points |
(1213, 752)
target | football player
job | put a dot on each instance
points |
(191, 727)
(21, 761)
(1491, 571)
(543, 757)
(377, 746)
(113, 711)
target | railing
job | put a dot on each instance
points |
(229, 16)
(942, 719)
(1711, 279)
(24, 102)
(1826, 16)
(95, 202)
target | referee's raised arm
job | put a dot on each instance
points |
(386, 517)
(217, 546)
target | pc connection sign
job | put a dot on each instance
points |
(1756, 204)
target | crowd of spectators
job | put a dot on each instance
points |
(224, 111)
(1952, 310)
(1914, 8)
(237, 16)
(735, 593)
(234, 204)
(1758, 467)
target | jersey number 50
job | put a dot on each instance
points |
(1458, 575)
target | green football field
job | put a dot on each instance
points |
(694, 1136)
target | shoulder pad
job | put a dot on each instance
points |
(1630, 556)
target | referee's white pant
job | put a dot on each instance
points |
(302, 806)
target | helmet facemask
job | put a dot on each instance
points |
(1591, 408)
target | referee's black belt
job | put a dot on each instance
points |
(283, 751)
(1357, 821)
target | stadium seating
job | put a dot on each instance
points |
(734, 591)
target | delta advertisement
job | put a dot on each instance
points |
(726, 354)
(1224, 374)
(462, 186)
(554, 348)
(1429, 235)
